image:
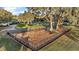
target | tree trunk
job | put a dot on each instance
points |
(51, 27)
(51, 22)
(59, 25)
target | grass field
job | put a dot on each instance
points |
(7, 44)
(64, 43)
(29, 26)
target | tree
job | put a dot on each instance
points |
(5, 15)
(26, 17)
(49, 13)
(41, 12)
(72, 14)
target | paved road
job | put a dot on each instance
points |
(11, 27)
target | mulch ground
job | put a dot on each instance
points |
(35, 36)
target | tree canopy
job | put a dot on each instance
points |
(71, 13)
(26, 16)
(5, 15)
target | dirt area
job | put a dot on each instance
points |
(35, 36)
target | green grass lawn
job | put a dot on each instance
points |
(7, 44)
(29, 26)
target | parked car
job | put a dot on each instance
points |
(5, 24)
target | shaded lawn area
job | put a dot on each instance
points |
(62, 44)
(74, 33)
(7, 44)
